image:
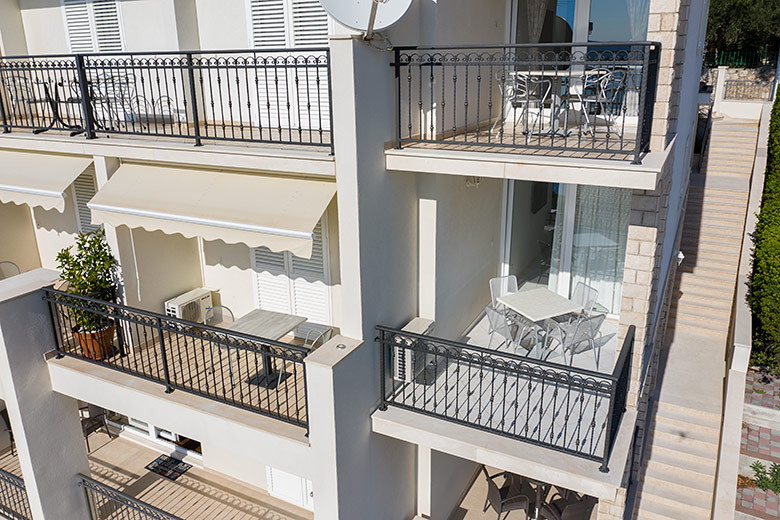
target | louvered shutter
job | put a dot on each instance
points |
(79, 25)
(309, 24)
(268, 20)
(311, 295)
(310, 29)
(107, 30)
(272, 281)
(93, 25)
(83, 191)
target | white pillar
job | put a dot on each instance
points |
(45, 424)
(424, 481)
(720, 88)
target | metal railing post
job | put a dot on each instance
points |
(330, 104)
(3, 117)
(397, 64)
(86, 101)
(643, 112)
(166, 374)
(604, 468)
(194, 100)
(382, 374)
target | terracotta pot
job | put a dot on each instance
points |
(96, 344)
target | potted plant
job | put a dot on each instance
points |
(90, 270)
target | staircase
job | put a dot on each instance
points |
(678, 476)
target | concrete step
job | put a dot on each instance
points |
(690, 449)
(674, 415)
(736, 139)
(705, 463)
(734, 208)
(652, 510)
(733, 157)
(702, 301)
(674, 476)
(697, 252)
(710, 271)
(725, 261)
(714, 223)
(683, 438)
(716, 244)
(695, 326)
(715, 318)
(703, 291)
(687, 502)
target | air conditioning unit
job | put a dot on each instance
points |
(407, 363)
(190, 306)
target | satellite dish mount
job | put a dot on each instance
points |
(369, 34)
(367, 16)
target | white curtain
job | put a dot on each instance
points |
(537, 10)
(638, 12)
(599, 242)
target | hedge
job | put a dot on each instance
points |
(764, 289)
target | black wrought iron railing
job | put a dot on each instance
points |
(14, 504)
(567, 409)
(270, 96)
(263, 376)
(106, 502)
(748, 90)
(576, 97)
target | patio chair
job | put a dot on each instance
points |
(499, 325)
(521, 91)
(219, 316)
(571, 335)
(316, 334)
(506, 498)
(501, 286)
(586, 296)
(569, 506)
(7, 429)
(8, 269)
(21, 99)
(602, 92)
(93, 421)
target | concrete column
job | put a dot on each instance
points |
(12, 39)
(720, 88)
(46, 425)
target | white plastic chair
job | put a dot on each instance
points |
(573, 334)
(499, 325)
(586, 296)
(220, 315)
(8, 269)
(520, 91)
(501, 286)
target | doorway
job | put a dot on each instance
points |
(558, 235)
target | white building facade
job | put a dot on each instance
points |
(256, 158)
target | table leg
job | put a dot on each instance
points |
(269, 378)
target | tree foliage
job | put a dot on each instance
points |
(743, 24)
(764, 293)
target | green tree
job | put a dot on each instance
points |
(743, 24)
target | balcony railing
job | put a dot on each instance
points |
(13, 498)
(106, 502)
(271, 96)
(567, 409)
(260, 375)
(560, 97)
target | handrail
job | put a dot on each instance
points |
(101, 498)
(14, 503)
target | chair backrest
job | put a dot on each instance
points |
(502, 285)
(218, 315)
(8, 269)
(587, 328)
(527, 87)
(95, 412)
(586, 296)
(493, 494)
(498, 322)
(578, 510)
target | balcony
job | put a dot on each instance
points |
(255, 374)
(565, 408)
(119, 486)
(572, 99)
(276, 96)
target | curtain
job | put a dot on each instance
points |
(599, 242)
(638, 12)
(537, 11)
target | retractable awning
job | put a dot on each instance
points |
(257, 210)
(38, 179)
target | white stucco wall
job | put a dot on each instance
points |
(167, 266)
(449, 477)
(44, 26)
(55, 231)
(223, 25)
(17, 237)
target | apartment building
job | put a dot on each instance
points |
(346, 204)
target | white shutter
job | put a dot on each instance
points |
(311, 294)
(79, 26)
(272, 282)
(309, 24)
(107, 30)
(83, 191)
(93, 25)
(268, 24)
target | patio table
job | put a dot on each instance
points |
(539, 304)
(268, 325)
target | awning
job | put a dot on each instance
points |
(38, 179)
(257, 210)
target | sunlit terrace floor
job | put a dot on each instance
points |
(576, 143)
(542, 404)
(199, 494)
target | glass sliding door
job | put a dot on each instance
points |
(561, 235)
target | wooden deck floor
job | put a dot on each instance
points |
(199, 494)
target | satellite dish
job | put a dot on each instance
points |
(366, 16)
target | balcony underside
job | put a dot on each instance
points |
(199, 494)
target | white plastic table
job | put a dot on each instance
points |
(539, 304)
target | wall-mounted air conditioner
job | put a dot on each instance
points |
(190, 306)
(407, 363)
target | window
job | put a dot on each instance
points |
(93, 25)
(293, 285)
(279, 24)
